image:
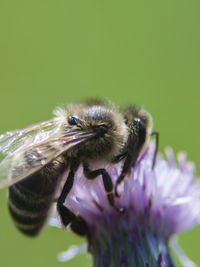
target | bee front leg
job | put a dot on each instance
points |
(78, 225)
(156, 133)
(107, 182)
(131, 159)
(128, 163)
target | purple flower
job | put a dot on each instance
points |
(159, 204)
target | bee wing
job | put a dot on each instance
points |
(11, 141)
(26, 161)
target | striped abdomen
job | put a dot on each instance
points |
(30, 201)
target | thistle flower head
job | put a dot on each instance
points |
(159, 204)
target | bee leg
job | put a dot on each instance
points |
(107, 182)
(78, 225)
(156, 133)
(65, 214)
(128, 164)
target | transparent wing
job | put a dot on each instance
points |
(11, 141)
(28, 160)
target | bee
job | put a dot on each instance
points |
(36, 157)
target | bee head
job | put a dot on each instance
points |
(110, 131)
(98, 121)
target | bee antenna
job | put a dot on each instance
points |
(156, 134)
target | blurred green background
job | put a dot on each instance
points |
(53, 52)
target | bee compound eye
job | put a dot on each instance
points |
(72, 120)
(138, 123)
(141, 130)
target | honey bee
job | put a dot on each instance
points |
(80, 134)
